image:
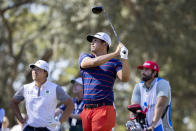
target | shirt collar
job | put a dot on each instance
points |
(151, 85)
(43, 85)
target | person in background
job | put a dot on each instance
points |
(2, 114)
(41, 98)
(154, 95)
(5, 124)
(75, 121)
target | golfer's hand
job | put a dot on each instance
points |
(124, 53)
(118, 49)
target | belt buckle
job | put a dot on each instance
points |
(91, 106)
(94, 106)
(100, 104)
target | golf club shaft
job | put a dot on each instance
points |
(99, 9)
(113, 29)
(111, 26)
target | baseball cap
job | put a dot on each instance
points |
(150, 65)
(41, 64)
(78, 80)
(100, 35)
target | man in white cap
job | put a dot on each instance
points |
(41, 98)
(99, 71)
(75, 121)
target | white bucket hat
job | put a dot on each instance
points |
(100, 35)
(41, 64)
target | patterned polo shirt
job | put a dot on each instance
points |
(98, 81)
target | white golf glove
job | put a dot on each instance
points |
(124, 53)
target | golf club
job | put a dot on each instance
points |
(98, 10)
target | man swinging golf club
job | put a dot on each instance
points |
(99, 71)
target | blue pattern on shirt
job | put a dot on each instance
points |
(99, 81)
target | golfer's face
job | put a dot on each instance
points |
(38, 74)
(96, 45)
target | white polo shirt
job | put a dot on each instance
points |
(41, 102)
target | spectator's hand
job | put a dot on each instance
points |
(124, 53)
(151, 128)
(23, 123)
(55, 122)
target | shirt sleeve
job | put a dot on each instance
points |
(82, 56)
(163, 88)
(61, 94)
(136, 95)
(118, 66)
(19, 95)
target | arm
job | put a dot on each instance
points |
(163, 89)
(88, 62)
(136, 97)
(69, 107)
(76, 116)
(61, 109)
(14, 106)
(58, 112)
(124, 74)
(67, 101)
(159, 108)
(18, 97)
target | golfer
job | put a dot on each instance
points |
(99, 71)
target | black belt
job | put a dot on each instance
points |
(97, 105)
(38, 128)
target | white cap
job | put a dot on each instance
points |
(41, 64)
(78, 80)
(100, 35)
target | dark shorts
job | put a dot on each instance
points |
(76, 128)
(30, 128)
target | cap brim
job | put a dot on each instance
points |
(31, 66)
(140, 67)
(89, 38)
(72, 81)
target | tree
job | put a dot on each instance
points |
(159, 30)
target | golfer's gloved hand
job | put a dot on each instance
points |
(55, 122)
(124, 53)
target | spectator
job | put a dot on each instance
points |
(75, 121)
(5, 124)
(41, 98)
(2, 114)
